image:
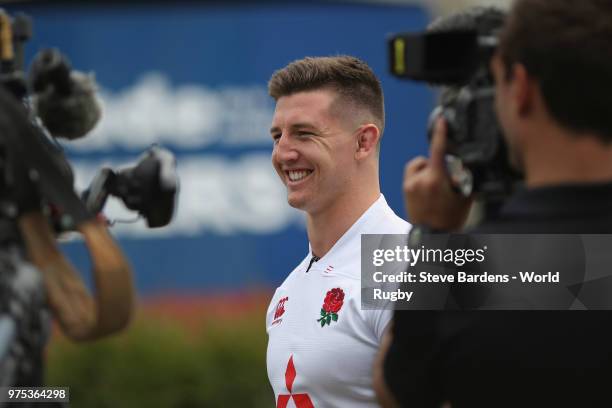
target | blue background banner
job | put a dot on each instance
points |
(192, 77)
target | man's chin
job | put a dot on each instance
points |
(297, 204)
(297, 201)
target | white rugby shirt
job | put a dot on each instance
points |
(316, 359)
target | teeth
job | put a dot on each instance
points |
(298, 175)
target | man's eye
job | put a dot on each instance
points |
(276, 138)
(304, 133)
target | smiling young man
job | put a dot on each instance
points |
(326, 129)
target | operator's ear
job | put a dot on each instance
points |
(514, 85)
(524, 90)
(367, 141)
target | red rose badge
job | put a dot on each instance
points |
(331, 306)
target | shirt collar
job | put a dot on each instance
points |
(345, 247)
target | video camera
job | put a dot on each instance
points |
(62, 103)
(458, 60)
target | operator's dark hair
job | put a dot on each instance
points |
(350, 77)
(486, 20)
(566, 45)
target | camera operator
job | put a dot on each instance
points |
(553, 72)
(35, 277)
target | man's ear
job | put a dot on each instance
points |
(524, 90)
(520, 87)
(367, 141)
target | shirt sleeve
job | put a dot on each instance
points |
(271, 308)
(378, 321)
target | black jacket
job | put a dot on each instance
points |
(512, 358)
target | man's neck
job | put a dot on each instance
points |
(327, 227)
(567, 157)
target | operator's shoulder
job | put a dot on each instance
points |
(583, 224)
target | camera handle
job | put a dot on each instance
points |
(98, 191)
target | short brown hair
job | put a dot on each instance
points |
(565, 46)
(350, 77)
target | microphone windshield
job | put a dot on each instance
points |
(65, 100)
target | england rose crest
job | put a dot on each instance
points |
(331, 306)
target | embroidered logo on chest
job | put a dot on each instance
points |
(331, 306)
(280, 310)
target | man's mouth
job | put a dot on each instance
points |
(297, 175)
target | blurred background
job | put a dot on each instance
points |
(191, 76)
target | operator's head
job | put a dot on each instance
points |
(327, 125)
(555, 61)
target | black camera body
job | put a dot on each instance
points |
(458, 61)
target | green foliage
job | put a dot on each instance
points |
(160, 364)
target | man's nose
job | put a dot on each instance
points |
(285, 150)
